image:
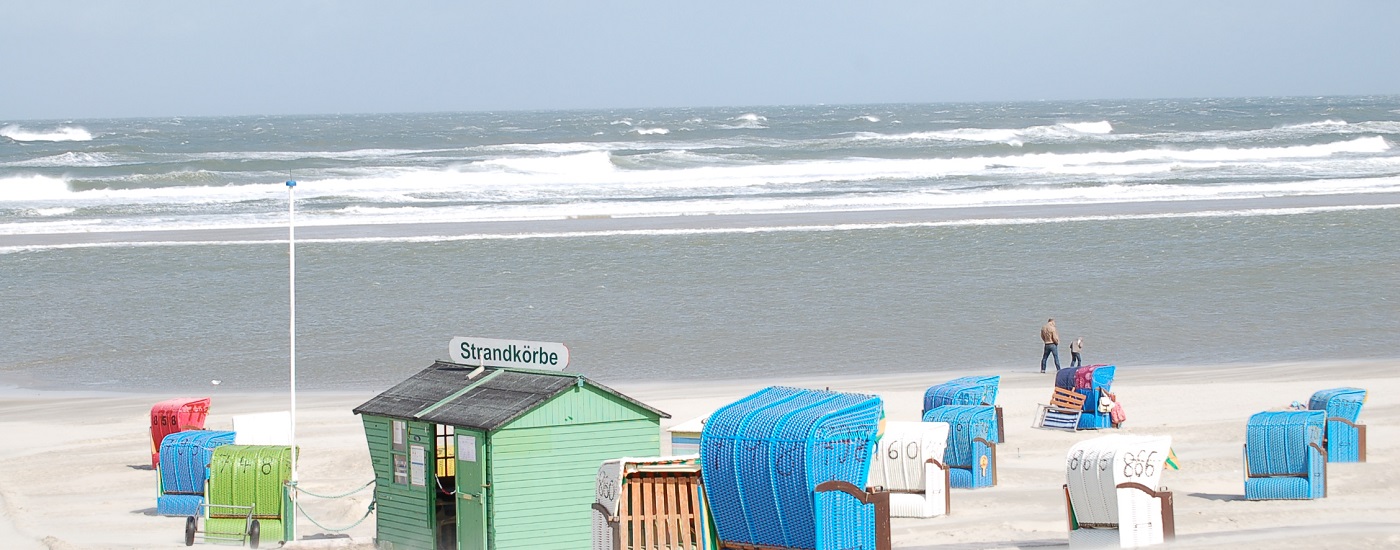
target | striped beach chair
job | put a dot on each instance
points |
(1111, 492)
(908, 463)
(1345, 435)
(787, 467)
(971, 455)
(1284, 457)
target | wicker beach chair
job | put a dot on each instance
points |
(1111, 492)
(971, 455)
(785, 468)
(1345, 435)
(909, 465)
(1284, 457)
(651, 504)
(184, 468)
(968, 390)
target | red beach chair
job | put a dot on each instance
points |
(175, 415)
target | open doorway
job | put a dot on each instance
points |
(445, 503)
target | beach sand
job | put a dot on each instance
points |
(77, 471)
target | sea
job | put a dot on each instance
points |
(698, 244)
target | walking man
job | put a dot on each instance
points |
(1051, 337)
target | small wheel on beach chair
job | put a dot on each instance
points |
(191, 525)
(254, 531)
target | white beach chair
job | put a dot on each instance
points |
(1111, 492)
(651, 503)
(908, 463)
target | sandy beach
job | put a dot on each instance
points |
(77, 475)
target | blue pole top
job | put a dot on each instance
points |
(291, 183)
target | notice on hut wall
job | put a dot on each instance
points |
(466, 448)
(416, 465)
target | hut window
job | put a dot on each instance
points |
(401, 469)
(400, 435)
(446, 454)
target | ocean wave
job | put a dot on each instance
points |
(651, 131)
(74, 159)
(1010, 136)
(61, 133)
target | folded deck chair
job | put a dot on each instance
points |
(1111, 492)
(1345, 436)
(1284, 457)
(908, 464)
(1062, 412)
(971, 455)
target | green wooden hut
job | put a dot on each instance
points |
(479, 458)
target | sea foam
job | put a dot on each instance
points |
(62, 133)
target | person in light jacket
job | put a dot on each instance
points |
(1051, 337)
(1075, 348)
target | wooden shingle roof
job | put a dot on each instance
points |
(444, 394)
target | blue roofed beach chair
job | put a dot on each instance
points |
(1112, 495)
(1284, 457)
(786, 468)
(968, 390)
(184, 469)
(1345, 436)
(971, 455)
(909, 465)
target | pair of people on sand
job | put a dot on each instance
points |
(1051, 337)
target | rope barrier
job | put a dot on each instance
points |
(368, 511)
(342, 495)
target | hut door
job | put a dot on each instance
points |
(472, 490)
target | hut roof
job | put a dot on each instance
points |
(444, 394)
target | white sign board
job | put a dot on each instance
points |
(508, 353)
(270, 428)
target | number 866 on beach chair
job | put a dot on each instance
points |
(1112, 495)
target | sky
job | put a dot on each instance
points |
(75, 59)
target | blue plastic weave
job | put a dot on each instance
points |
(178, 505)
(1282, 456)
(950, 393)
(971, 462)
(184, 459)
(1278, 441)
(1339, 402)
(992, 383)
(762, 457)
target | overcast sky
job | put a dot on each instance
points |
(100, 58)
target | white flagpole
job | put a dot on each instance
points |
(292, 332)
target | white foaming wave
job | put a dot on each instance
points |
(62, 133)
(33, 188)
(651, 131)
(867, 118)
(1100, 127)
(72, 158)
(595, 162)
(746, 121)
(753, 229)
(1010, 136)
(47, 212)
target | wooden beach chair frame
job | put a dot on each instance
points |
(1063, 403)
